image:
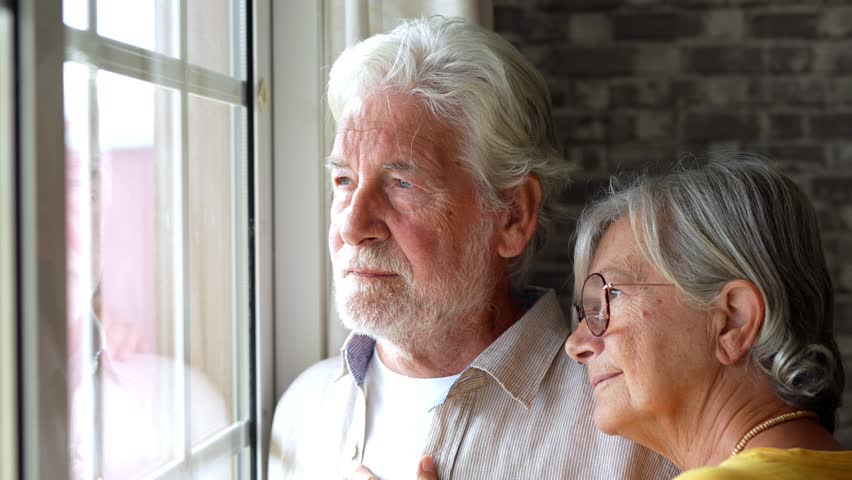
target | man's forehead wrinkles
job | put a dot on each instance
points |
(359, 127)
(406, 141)
(414, 135)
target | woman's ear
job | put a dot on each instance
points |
(740, 311)
(518, 223)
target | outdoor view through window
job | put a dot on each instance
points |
(157, 216)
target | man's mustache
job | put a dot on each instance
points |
(380, 258)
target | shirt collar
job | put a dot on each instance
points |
(517, 360)
(355, 354)
(521, 357)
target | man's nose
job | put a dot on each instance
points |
(581, 345)
(363, 219)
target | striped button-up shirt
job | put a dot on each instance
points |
(521, 410)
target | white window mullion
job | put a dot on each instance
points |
(237, 254)
(94, 336)
(184, 421)
(240, 250)
(223, 445)
(136, 62)
(263, 298)
(239, 210)
(180, 265)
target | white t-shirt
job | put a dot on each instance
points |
(399, 415)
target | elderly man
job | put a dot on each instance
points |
(446, 176)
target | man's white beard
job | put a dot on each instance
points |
(412, 316)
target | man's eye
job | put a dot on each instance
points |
(614, 293)
(342, 181)
(405, 185)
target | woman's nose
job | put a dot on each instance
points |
(582, 345)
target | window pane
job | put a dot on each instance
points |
(218, 270)
(123, 374)
(8, 389)
(136, 141)
(136, 404)
(149, 24)
(75, 13)
(216, 35)
(158, 257)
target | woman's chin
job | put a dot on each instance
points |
(607, 422)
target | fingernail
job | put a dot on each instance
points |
(427, 464)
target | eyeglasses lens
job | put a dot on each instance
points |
(594, 304)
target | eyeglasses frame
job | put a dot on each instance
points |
(578, 307)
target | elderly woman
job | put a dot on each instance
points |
(705, 312)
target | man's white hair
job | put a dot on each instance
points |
(479, 84)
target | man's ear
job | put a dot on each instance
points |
(518, 223)
(739, 311)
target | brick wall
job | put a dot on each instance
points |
(639, 83)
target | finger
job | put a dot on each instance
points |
(426, 469)
(361, 472)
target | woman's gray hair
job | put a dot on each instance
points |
(479, 84)
(738, 218)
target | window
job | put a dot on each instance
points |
(157, 225)
(8, 347)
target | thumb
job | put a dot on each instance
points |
(426, 469)
(360, 472)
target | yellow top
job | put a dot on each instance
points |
(774, 463)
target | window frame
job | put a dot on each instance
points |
(301, 139)
(41, 240)
(260, 75)
(42, 50)
(105, 54)
(8, 300)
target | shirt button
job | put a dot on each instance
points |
(354, 451)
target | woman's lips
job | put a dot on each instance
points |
(595, 381)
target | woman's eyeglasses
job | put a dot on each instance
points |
(594, 301)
